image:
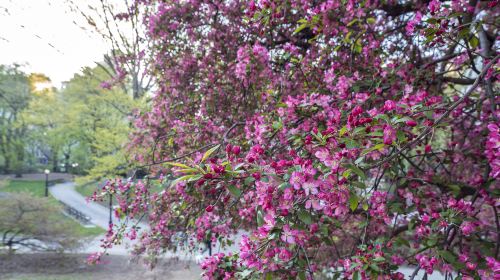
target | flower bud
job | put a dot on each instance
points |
(411, 123)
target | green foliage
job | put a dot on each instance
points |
(83, 123)
(35, 188)
(15, 94)
(25, 216)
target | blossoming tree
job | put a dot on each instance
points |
(347, 138)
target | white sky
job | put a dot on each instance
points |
(42, 35)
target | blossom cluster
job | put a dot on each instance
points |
(346, 136)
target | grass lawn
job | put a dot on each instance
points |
(87, 189)
(37, 188)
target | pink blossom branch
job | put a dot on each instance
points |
(441, 118)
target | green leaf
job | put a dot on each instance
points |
(356, 276)
(432, 20)
(401, 136)
(396, 207)
(365, 206)
(346, 173)
(379, 259)
(359, 130)
(359, 160)
(245, 273)
(383, 116)
(376, 134)
(260, 218)
(189, 170)
(357, 47)
(411, 224)
(284, 186)
(448, 256)
(371, 20)
(463, 32)
(352, 22)
(209, 152)
(351, 144)
(429, 38)
(402, 241)
(249, 180)
(269, 276)
(347, 37)
(178, 165)
(379, 147)
(455, 189)
(360, 185)
(354, 265)
(277, 125)
(353, 201)
(305, 217)
(356, 170)
(343, 130)
(474, 42)
(400, 120)
(234, 190)
(431, 242)
(301, 27)
(375, 267)
(191, 177)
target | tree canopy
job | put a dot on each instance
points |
(84, 123)
(347, 137)
(15, 95)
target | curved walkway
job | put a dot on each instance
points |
(65, 192)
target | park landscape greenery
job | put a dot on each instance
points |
(50, 128)
(80, 129)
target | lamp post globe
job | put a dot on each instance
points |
(47, 172)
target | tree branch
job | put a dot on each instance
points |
(441, 118)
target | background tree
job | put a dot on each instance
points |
(45, 117)
(35, 223)
(101, 118)
(82, 123)
(15, 93)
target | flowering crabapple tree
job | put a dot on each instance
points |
(346, 138)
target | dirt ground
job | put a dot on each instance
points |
(48, 266)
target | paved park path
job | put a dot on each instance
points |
(66, 193)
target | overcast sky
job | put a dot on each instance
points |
(42, 34)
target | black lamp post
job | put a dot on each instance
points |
(47, 172)
(110, 209)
